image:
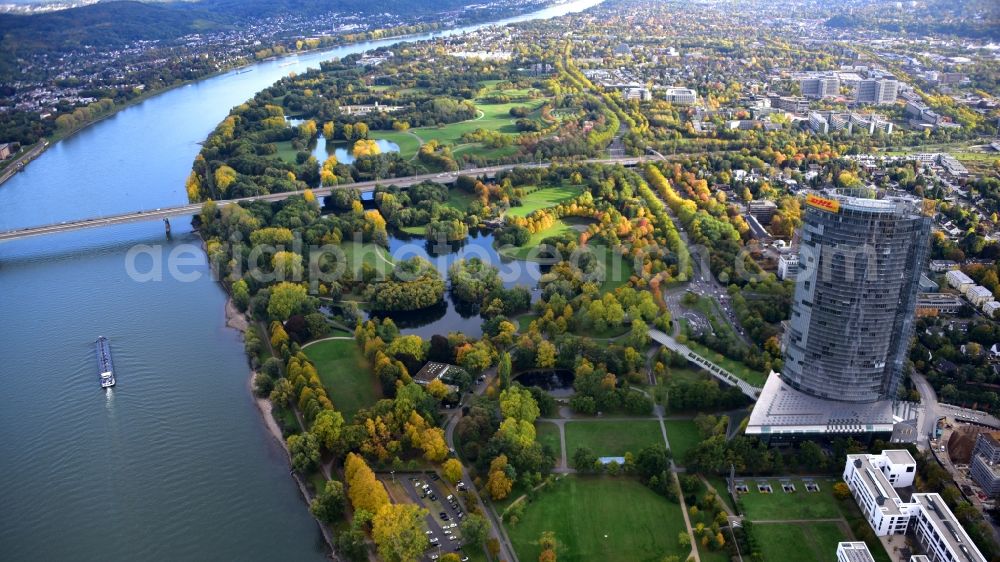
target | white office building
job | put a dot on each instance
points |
(873, 480)
(991, 309)
(958, 280)
(854, 552)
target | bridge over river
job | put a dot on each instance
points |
(183, 210)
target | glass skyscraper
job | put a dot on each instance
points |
(852, 316)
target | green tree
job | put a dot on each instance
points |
(286, 299)
(328, 505)
(504, 370)
(518, 403)
(328, 428)
(474, 529)
(304, 449)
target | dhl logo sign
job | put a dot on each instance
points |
(830, 205)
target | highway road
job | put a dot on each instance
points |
(183, 210)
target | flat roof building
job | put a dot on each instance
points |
(685, 96)
(788, 266)
(873, 480)
(984, 466)
(979, 295)
(820, 86)
(877, 92)
(854, 552)
(938, 304)
(959, 280)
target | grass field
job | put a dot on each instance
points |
(799, 504)
(345, 375)
(357, 253)
(495, 117)
(755, 378)
(558, 228)
(812, 542)
(719, 483)
(683, 436)
(548, 434)
(408, 144)
(612, 438)
(607, 519)
(543, 199)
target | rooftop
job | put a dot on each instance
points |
(899, 456)
(877, 484)
(782, 409)
(855, 552)
(431, 371)
(950, 530)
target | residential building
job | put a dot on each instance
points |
(983, 466)
(685, 96)
(979, 295)
(788, 266)
(873, 480)
(958, 280)
(852, 313)
(853, 552)
(991, 309)
(877, 92)
(641, 94)
(818, 87)
(938, 304)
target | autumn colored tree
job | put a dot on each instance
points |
(328, 427)
(286, 299)
(452, 469)
(398, 531)
(500, 482)
(363, 488)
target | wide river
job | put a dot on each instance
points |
(174, 463)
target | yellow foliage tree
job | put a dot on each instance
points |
(193, 186)
(398, 531)
(499, 484)
(452, 470)
(363, 488)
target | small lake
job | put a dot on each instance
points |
(451, 315)
(322, 149)
(547, 379)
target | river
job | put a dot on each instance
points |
(174, 463)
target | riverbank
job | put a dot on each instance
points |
(246, 62)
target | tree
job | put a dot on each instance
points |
(398, 531)
(328, 427)
(518, 403)
(474, 529)
(241, 295)
(437, 389)
(548, 543)
(286, 299)
(452, 469)
(546, 355)
(450, 557)
(584, 459)
(684, 540)
(328, 505)
(363, 488)
(282, 393)
(504, 370)
(304, 449)
(499, 483)
(841, 491)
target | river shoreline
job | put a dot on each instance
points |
(51, 141)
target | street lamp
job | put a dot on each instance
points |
(393, 474)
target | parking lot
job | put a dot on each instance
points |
(445, 510)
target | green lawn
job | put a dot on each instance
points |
(286, 152)
(345, 375)
(719, 483)
(548, 434)
(683, 436)
(524, 321)
(357, 253)
(495, 117)
(558, 228)
(543, 199)
(813, 542)
(606, 519)
(755, 378)
(408, 144)
(612, 438)
(799, 504)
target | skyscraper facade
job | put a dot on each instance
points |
(878, 92)
(852, 314)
